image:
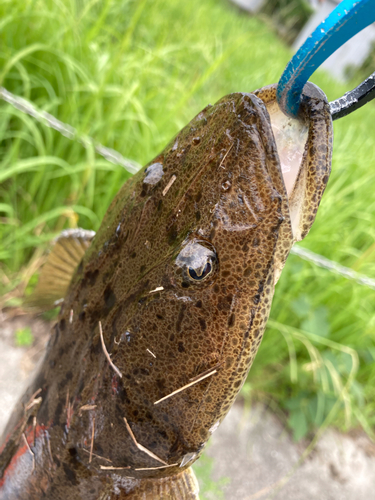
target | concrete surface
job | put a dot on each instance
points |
(256, 453)
(18, 363)
(251, 448)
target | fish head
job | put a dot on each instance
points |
(186, 263)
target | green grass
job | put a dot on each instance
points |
(24, 337)
(131, 74)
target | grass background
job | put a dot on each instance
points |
(131, 74)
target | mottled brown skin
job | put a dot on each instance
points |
(228, 194)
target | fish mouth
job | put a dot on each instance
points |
(304, 147)
(291, 137)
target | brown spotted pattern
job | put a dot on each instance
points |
(167, 316)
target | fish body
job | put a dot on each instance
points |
(165, 312)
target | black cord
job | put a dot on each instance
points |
(353, 99)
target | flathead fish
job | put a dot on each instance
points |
(165, 307)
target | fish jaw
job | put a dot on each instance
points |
(305, 151)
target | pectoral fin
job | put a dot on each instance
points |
(66, 253)
(182, 486)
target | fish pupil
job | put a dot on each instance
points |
(195, 274)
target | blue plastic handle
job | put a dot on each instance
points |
(345, 21)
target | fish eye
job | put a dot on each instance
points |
(196, 262)
(200, 274)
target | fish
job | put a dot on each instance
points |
(164, 308)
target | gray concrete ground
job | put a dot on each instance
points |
(17, 363)
(251, 448)
(256, 453)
